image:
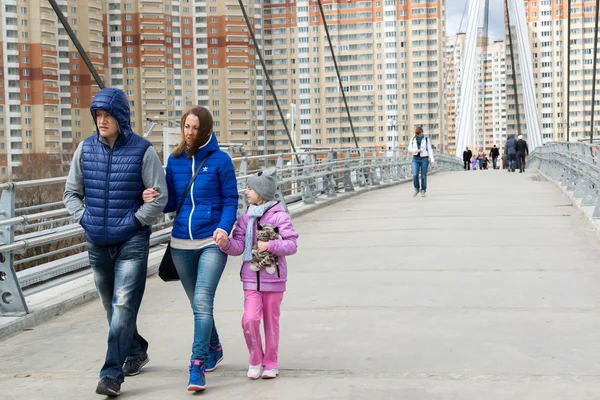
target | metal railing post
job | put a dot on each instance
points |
(279, 194)
(12, 301)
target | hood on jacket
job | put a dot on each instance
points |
(114, 102)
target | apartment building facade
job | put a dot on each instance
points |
(172, 54)
(555, 70)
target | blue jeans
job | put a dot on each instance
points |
(480, 162)
(495, 161)
(200, 272)
(512, 162)
(420, 164)
(120, 276)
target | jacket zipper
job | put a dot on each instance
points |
(192, 198)
(110, 154)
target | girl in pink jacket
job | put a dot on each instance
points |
(263, 287)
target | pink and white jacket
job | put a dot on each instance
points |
(286, 246)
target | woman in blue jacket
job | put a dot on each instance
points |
(209, 211)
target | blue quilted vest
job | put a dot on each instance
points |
(113, 178)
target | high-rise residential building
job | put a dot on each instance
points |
(45, 88)
(169, 55)
(489, 105)
(548, 24)
(390, 62)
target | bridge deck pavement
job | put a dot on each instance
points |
(486, 289)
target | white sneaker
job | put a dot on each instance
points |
(270, 373)
(254, 371)
(423, 193)
(416, 193)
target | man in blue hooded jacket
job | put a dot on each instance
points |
(109, 172)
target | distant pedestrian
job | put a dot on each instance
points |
(480, 157)
(420, 148)
(467, 154)
(522, 152)
(511, 153)
(474, 163)
(494, 153)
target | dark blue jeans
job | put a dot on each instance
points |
(512, 162)
(200, 272)
(420, 164)
(120, 276)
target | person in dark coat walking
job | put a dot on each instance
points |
(511, 153)
(494, 153)
(467, 154)
(522, 152)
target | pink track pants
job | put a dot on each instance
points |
(266, 306)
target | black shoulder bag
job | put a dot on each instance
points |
(167, 270)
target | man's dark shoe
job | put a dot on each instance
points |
(108, 387)
(133, 365)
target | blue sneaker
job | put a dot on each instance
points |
(197, 379)
(215, 356)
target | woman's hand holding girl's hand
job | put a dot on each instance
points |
(263, 246)
(220, 239)
(149, 195)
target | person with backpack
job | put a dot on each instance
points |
(422, 152)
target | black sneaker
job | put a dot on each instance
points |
(108, 387)
(133, 365)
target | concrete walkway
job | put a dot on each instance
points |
(489, 288)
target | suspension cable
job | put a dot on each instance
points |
(266, 72)
(514, 73)
(337, 71)
(569, 71)
(77, 44)
(594, 73)
(484, 38)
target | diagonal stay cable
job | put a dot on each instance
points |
(594, 69)
(337, 71)
(514, 72)
(266, 72)
(76, 42)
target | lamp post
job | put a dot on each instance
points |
(291, 116)
(166, 138)
(393, 129)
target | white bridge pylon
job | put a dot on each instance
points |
(465, 114)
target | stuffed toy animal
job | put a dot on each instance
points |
(266, 260)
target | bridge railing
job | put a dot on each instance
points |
(574, 166)
(303, 177)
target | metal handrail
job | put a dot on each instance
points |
(319, 173)
(575, 166)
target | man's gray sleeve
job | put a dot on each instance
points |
(74, 189)
(153, 176)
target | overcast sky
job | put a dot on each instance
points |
(454, 12)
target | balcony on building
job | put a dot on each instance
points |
(238, 104)
(154, 83)
(153, 105)
(151, 6)
(154, 95)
